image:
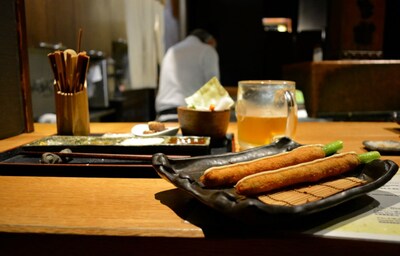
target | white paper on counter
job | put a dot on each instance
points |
(212, 93)
(380, 222)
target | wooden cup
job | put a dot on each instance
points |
(72, 110)
(213, 124)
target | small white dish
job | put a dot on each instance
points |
(142, 141)
(138, 130)
(384, 146)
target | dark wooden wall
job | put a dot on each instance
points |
(55, 21)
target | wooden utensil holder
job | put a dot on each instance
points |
(72, 110)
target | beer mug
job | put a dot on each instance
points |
(266, 110)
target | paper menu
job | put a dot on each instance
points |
(380, 221)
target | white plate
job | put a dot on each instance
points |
(142, 141)
(140, 128)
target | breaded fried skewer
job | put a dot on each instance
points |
(306, 172)
(228, 175)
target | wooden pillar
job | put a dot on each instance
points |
(15, 96)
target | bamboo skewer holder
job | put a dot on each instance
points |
(72, 111)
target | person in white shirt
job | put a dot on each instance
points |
(185, 68)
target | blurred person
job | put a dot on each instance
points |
(185, 68)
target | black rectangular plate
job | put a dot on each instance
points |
(15, 162)
(171, 145)
(185, 173)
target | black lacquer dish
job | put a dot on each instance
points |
(109, 156)
(124, 144)
(185, 173)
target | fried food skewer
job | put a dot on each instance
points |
(229, 175)
(302, 173)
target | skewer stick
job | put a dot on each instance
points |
(79, 40)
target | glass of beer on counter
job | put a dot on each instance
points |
(266, 110)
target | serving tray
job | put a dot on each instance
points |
(124, 144)
(185, 173)
(109, 156)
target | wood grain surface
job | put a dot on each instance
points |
(137, 207)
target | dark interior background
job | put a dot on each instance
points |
(246, 51)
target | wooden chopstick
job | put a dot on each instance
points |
(79, 39)
(83, 65)
(23, 164)
(70, 71)
(53, 64)
(102, 155)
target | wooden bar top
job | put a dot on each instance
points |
(352, 133)
(154, 208)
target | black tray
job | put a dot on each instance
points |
(185, 173)
(124, 144)
(18, 162)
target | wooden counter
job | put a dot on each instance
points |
(66, 215)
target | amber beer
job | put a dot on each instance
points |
(265, 111)
(256, 131)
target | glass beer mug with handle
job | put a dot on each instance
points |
(266, 110)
